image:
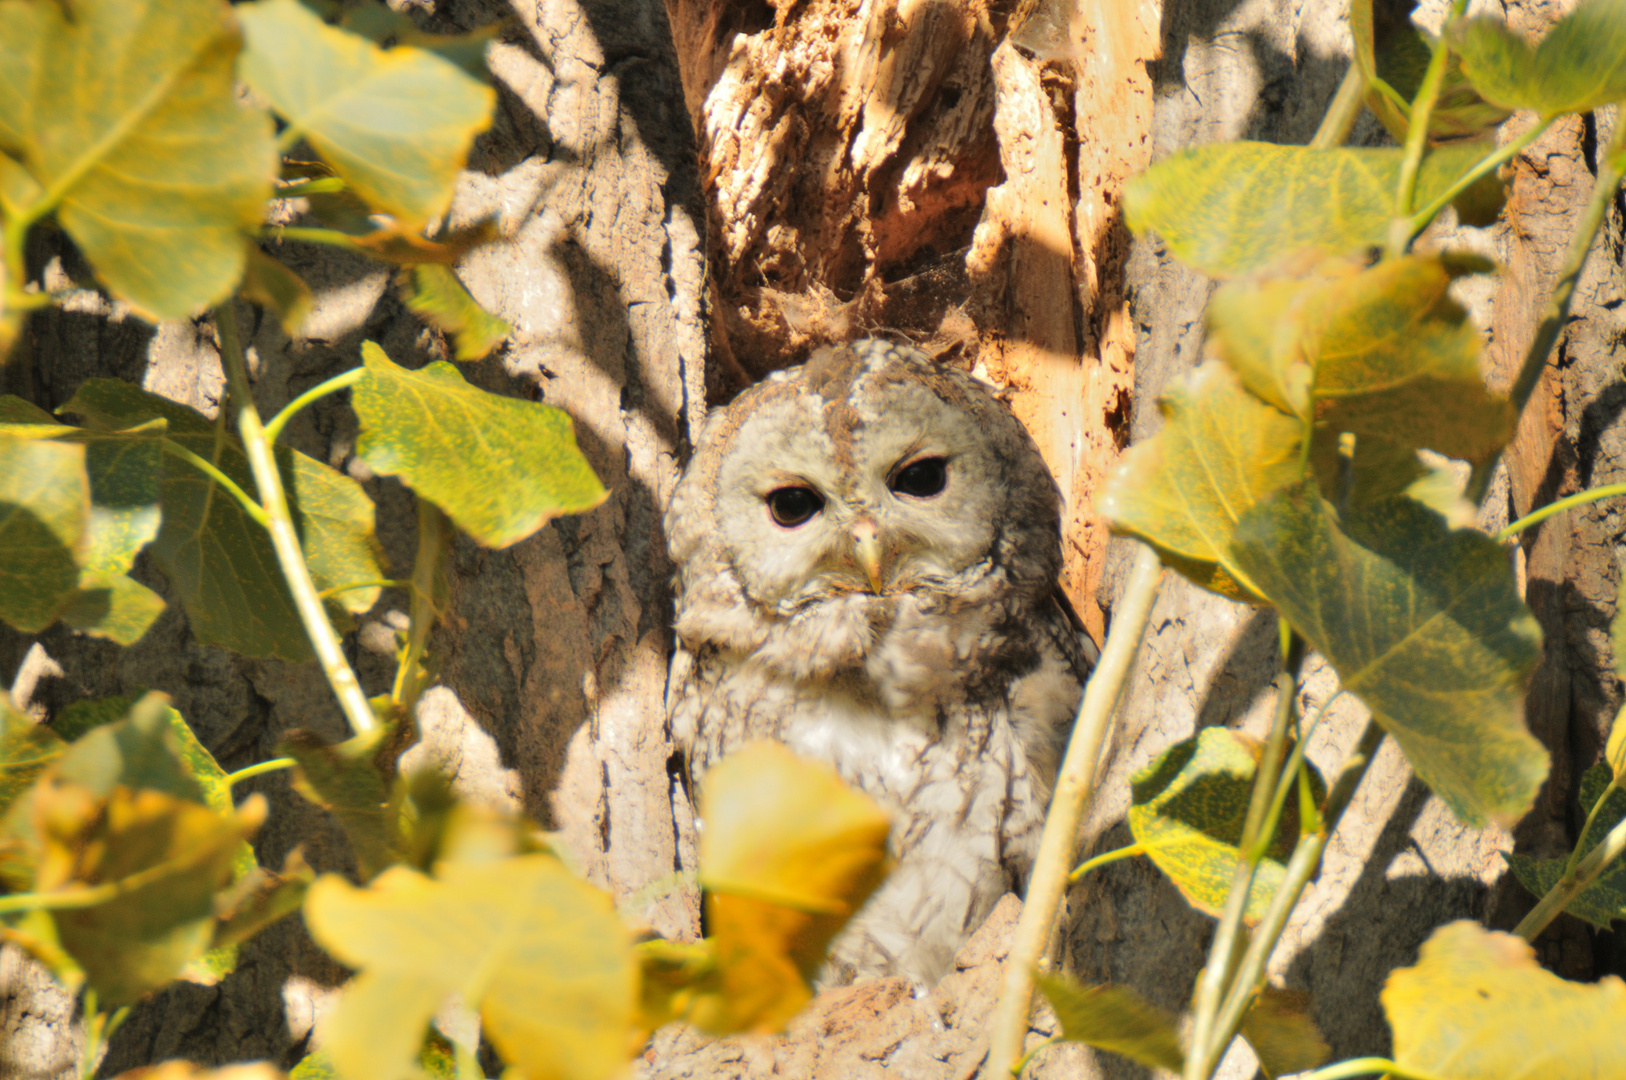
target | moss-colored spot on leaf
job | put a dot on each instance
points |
(26, 748)
(124, 113)
(219, 559)
(434, 294)
(538, 952)
(499, 467)
(348, 780)
(1233, 208)
(1580, 64)
(1478, 1007)
(44, 515)
(396, 125)
(1114, 1018)
(1605, 899)
(789, 854)
(1284, 1038)
(1220, 451)
(1187, 810)
(1423, 624)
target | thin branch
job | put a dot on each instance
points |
(1103, 859)
(1370, 1066)
(262, 461)
(1343, 112)
(375, 583)
(1074, 787)
(1487, 164)
(321, 390)
(1422, 109)
(428, 586)
(1536, 517)
(1573, 883)
(259, 769)
(250, 507)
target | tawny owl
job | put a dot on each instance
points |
(867, 550)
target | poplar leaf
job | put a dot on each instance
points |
(1114, 1018)
(1284, 1038)
(26, 748)
(1389, 46)
(1605, 899)
(44, 515)
(435, 294)
(347, 779)
(1579, 66)
(1477, 1004)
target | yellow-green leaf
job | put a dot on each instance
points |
(1388, 46)
(218, 559)
(125, 116)
(26, 748)
(397, 125)
(1605, 899)
(44, 516)
(1284, 1038)
(347, 779)
(276, 288)
(1580, 65)
(1114, 1018)
(1220, 451)
(1231, 208)
(1187, 809)
(1477, 1006)
(434, 294)
(539, 953)
(788, 855)
(118, 608)
(499, 467)
(1423, 624)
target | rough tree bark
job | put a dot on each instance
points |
(943, 171)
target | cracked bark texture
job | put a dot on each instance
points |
(552, 660)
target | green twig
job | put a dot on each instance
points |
(1115, 855)
(1536, 517)
(1592, 815)
(1422, 109)
(1214, 981)
(321, 390)
(250, 507)
(260, 769)
(268, 478)
(311, 234)
(428, 587)
(1370, 1066)
(1487, 164)
(1074, 786)
(1301, 867)
(1574, 882)
(1027, 1058)
(376, 583)
(1344, 110)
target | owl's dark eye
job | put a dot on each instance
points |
(792, 506)
(922, 479)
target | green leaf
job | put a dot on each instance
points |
(278, 289)
(1388, 46)
(1114, 1018)
(259, 899)
(1579, 66)
(74, 720)
(1605, 899)
(1220, 451)
(1423, 624)
(124, 114)
(14, 410)
(789, 854)
(1187, 809)
(1284, 1038)
(26, 748)
(44, 516)
(537, 951)
(1478, 1007)
(434, 294)
(348, 780)
(499, 467)
(118, 608)
(1231, 208)
(219, 560)
(150, 748)
(396, 125)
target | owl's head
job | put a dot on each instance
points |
(826, 499)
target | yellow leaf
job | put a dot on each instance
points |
(788, 854)
(1478, 1007)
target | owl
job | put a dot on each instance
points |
(867, 550)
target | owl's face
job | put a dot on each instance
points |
(867, 477)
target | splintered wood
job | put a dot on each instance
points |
(943, 171)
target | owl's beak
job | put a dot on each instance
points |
(867, 551)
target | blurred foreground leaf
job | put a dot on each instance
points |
(1284, 1038)
(1578, 66)
(26, 748)
(1389, 46)
(348, 780)
(44, 513)
(1114, 1018)
(435, 294)
(539, 953)
(499, 467)
(1477, 1005)
(1423, 624)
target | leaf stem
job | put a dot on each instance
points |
(1344, 110)
(250, 507)
(1301, 867)
(321, 390)
(1369, 1066)
(259, 769)
(1074, 786)
(1592, 815)
(1027, 1058)
(1487, 164)
(1576, 880)
(1115, 855)
(428, 587)
(1214, 981)
(1581, 498)
(375, 583)
(1422, 109)
(311, 234)
(268, 478)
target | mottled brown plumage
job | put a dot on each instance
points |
(907, 629)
